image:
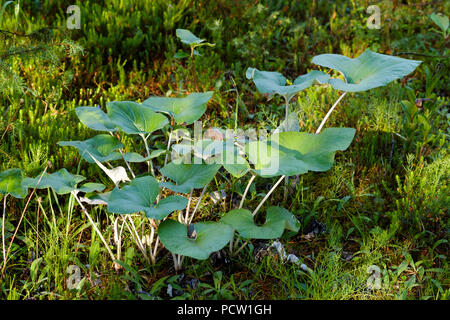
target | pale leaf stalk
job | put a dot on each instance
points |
(246, 191)
(329, 112)
(94, 226)
(317, 132)
(126, 162)
(135, 235)
(168, 147)
(128, 165)
(149, 162)
(247, 188)
(152, 236)
(155, 248)
(3, 228)
(197, 205)
(175, 261)
(165, 162)
(242, 247)
(268, 195)
(186, 217)
(286, 180)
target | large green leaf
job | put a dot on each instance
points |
(140, 195)
(166, 206)
(188, 37)
(11, 183)
(277, 219)
(62, 181)
(135, 118)
(95, 119)
(188, 176)
(102, 147)
(184, 110)
(270, 83)
(211, 237)
(294, 153)
(369, 70)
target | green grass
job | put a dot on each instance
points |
(384, 203)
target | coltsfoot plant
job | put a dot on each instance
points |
(160, 198)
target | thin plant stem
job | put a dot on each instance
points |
(94, 226)
(149, 162)
(155, 249)
(237, 103)
(179, 262)
(242, 247)
(287, 113)
(317, 132)
(197, 205)
(3, 228)
(175, 260)
(246, 191)
(128, 165)
(268, 195)
(329, 113)
(126, 162)
(286, 180)
(186, 217)
(168, 147)
(37, 230)
(135, 236)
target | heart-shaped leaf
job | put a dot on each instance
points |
(11, 183)
(292, 222)
(135, 118)
(166, 206)
(277, 219)
(294, 153)
(62, 181)
(184, 110)
(441, 20)
(271, 83)
(139, 195)
(368, 71)
(102, 147)
(188, 176)
(211, 237)
(188, 37)
(95, 119)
